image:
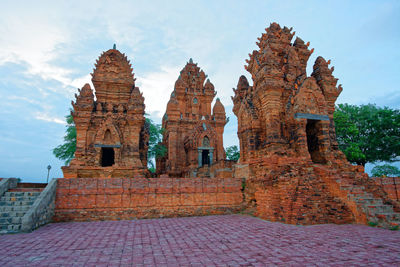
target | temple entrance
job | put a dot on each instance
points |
(312, 130)
(107, 156)
(205, 157)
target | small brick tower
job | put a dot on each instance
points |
(111, 134)
(193, 135)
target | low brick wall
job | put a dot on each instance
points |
(86, 199)
(391, 185)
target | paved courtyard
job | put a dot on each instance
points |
(231, 240)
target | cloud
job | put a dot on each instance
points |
(156, 88)
(46, 117)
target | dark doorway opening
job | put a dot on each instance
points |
(312, 130)
(205, 157)
(107, 156)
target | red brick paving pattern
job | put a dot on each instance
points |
(230, 240)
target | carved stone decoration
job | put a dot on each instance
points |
(188, 122)
(111, 134)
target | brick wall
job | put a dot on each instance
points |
(84, 199)
(391, 185)
(296, 199)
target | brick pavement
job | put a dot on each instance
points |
(230, 240)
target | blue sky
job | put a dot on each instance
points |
(48, 49)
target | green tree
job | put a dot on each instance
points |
(232, 153)
(156, 149)
(368, 133)
(66, 151)
(385, 170)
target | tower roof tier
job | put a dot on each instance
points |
(113, 77)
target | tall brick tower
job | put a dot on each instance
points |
(111, 134)
(294, 170)
(285, 112)
(193, 135)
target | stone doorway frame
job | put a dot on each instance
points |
(200, 155)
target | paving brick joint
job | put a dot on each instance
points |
(224, 240)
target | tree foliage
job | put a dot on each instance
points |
(232, 153)
(368, 133)
(66, 151)
(156, 149)
(385, 170)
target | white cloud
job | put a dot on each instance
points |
(35, 43)
(156, 88)
(46, 117)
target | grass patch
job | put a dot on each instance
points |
(373, 224)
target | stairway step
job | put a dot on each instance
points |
(6, 228)
(379, 209)
(16, 203)
(10, 220)
(391, 216)
(21, 194)
(12, 214)
(14, 208)
(25, 190)
(24, 198)
(368, 200)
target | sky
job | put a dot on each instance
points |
(48, 50)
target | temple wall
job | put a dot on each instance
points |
(90, 199)
(391, 185)
(298, 195)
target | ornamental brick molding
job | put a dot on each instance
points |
(112, 140)
(193, 135)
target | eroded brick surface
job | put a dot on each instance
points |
(232, 240)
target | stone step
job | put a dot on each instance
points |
(11, 220)
(390, 216)
(368, 200)
(21, 194)
(12, 214)
(38, 190)
(16, 203)
(9, 228)
(379, 209)
(14, 208)
(12, 199)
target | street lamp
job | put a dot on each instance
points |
(48, 172)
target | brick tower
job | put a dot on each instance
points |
(193, 135)
(111, 134)
(294, 170)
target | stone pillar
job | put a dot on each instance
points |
(211, 156)
(200, 158)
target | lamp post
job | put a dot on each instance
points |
(48, 172)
